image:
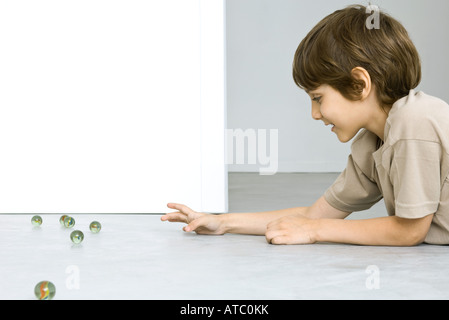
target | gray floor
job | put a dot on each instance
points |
(140, 257)
(254, 192)
(332, 271)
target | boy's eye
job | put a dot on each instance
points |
(317, 99)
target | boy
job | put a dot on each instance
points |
(362, 79)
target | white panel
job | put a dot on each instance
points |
(213, 106)
(100, 106)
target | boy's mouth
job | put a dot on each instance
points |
(330, 124)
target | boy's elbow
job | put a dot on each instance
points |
(415, 240)
(415, 230)
(410, 240)
(419, 236)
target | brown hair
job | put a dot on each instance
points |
(342, 41)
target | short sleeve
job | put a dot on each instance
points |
(415, 176)
(353, 190)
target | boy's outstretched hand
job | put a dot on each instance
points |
(201, 223)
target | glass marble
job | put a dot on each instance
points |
(61, 220)
(77, 236)
(69, 222)
(95, 226)
(36, 221)
(45, 290)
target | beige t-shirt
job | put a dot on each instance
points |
(410, 170)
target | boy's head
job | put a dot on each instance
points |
(342, 41)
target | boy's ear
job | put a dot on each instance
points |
(364, 79)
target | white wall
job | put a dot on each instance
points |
(262, 37)
(112, 106)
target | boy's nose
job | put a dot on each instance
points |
(316, 114)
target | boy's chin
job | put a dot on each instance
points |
(344, 137)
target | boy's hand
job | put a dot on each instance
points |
(291, 230)
(201, 223)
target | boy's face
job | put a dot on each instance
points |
(345, 116)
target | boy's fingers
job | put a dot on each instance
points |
(174, 217)
(192, 226)
(279, 240)
(180, 207)
(272, 235)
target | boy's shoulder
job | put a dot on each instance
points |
(418, 104)
(362, 148)
(418, 116)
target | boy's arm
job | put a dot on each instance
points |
(256, 223)
(387, 231)
(384, 231)
(245, 223)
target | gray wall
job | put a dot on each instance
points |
(262, 36)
